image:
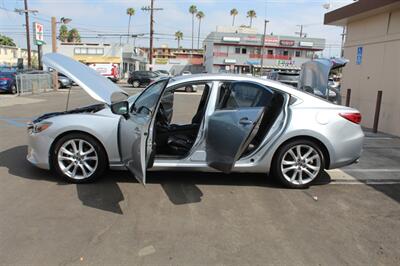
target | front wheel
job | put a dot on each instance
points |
(298, 163)
(13, 89)
(189, 88)
(78, 158)
(136, 84)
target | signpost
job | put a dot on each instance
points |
(38, 38)
(359, 55)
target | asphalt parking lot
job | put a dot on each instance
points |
(349, 217)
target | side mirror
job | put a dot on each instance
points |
(120, 108)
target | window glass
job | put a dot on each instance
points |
(91, 50)
(285, 52)
(237, 50)
(244, 51)
(147, 101)
(243, 95)
(270, 52)
(298, 53)
(99, 51)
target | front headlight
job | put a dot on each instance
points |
(39, 127)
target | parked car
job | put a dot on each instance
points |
(289, 78)
(108, 70)
(8, 82)
(142, 78)
(162, 73)
(242, 124)
(64, 81)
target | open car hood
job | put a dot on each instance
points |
(97, 86)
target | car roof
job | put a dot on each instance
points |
(235, 77)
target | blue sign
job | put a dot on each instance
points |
(359, 55)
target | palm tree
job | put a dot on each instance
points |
(193, 11)
(179, 37)
(251, 14)
(4, 40)
(234, 13)
(130, 12)
(63, 34)
(200, 15)
(74, 36)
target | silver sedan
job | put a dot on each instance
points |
(241, 124)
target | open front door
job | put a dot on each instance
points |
(135, 138)
(235, 123)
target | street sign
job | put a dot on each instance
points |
(359, 55)
(38, 33)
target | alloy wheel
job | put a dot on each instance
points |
(301, 164)
(77, 159)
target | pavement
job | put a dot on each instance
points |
(350, 216)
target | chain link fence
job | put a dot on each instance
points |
(34, 83)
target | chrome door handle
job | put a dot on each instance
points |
(245, 121)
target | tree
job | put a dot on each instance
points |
(4, 40)
(234, 13)
(193, 11)
(200, 15)
(251, 14)
(130, 12)
(63, 33)
(179, 37)
(73, 36)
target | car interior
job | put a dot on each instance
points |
(176, 140)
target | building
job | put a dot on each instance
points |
(176, 60)
(238, 50)
(373, 47)
(125, 56)
(9, 56)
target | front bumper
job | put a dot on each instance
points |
(39, 150)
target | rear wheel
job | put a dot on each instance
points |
(78, 158)
(298, 163)
(189, 88)
(136, 84)
(13, 89)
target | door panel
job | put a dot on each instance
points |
(228, 134)
(133, 137)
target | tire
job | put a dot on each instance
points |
(13, 89)
(189, 88)
(136, 84)
(295, 172)
(60, 86)
(93, 163)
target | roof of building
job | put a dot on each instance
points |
(358, 10)
(270, 40)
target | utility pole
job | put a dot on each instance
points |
(301, 34)
(53, 34)
(28, 38)
(151, 9)
(343, 39)
(263, 45)
(26, 11)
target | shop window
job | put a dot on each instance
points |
(298, 53)
(270, 52)
(237, 50)
(286, 53)
(244, 51)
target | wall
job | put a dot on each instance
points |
(379, 36)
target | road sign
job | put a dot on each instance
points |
(38, 33)
(359, 55)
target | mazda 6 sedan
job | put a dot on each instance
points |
(240, 124)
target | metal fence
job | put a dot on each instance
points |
(34, 83)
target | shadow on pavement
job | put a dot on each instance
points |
(105, 194)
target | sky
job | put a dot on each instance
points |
(96, 17)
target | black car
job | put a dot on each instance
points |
(142, 78)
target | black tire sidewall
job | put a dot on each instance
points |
(102, 158)
(276, 165)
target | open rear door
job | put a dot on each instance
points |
(234, 124)
(135, 138)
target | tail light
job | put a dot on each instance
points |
(352, 117)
